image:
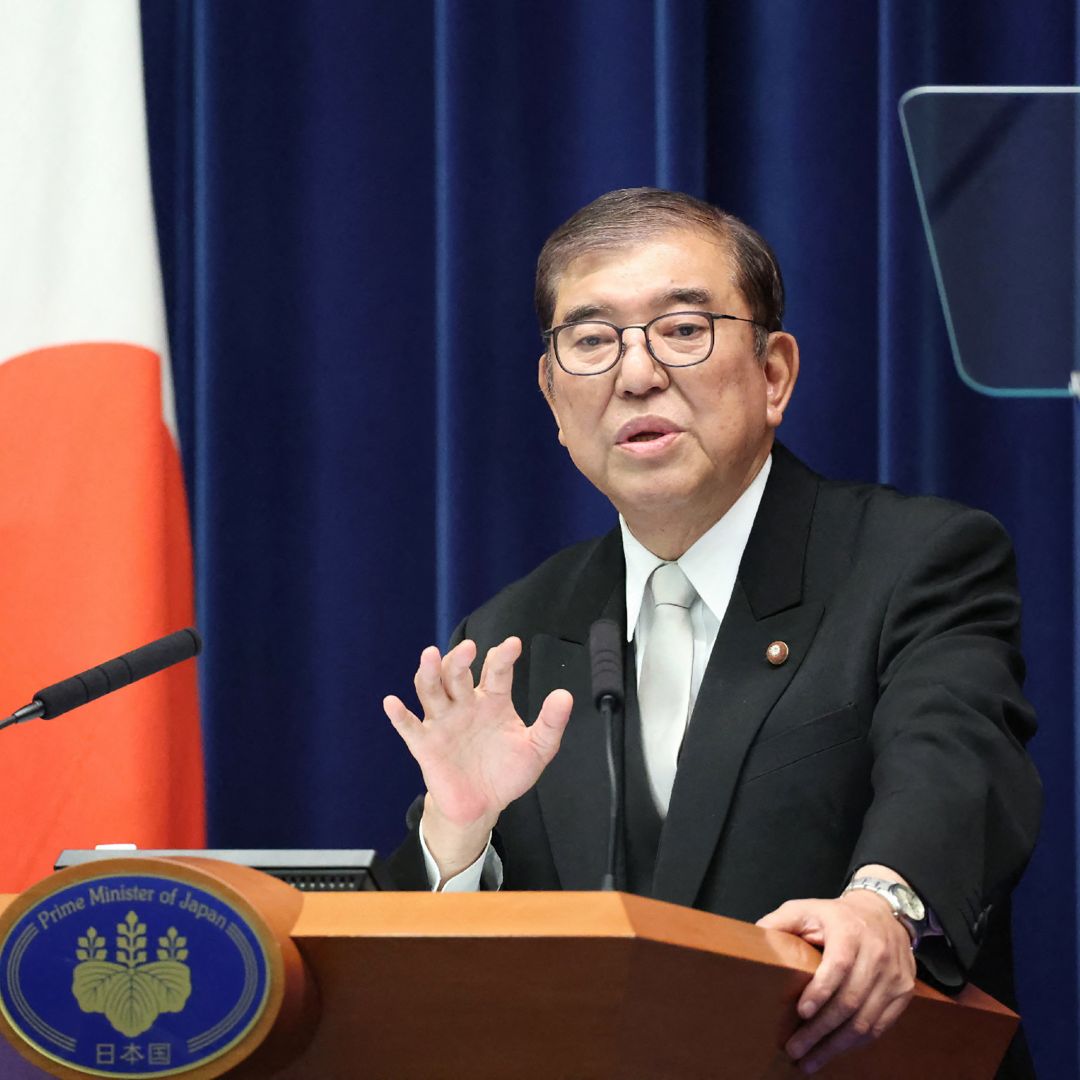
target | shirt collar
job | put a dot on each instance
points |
(711, 563)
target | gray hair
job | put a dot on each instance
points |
(630, 215)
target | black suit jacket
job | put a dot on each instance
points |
(892, 734)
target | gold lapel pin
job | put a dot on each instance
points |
(777, 653)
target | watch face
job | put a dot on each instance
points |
(910, 904)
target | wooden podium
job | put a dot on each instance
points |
(523, 985)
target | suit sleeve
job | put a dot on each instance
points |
(957, 801)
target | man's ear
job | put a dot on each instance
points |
(544, 375)
(781, 370)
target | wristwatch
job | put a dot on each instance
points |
(909, 910)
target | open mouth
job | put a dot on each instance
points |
(646, 429)
(648, 441)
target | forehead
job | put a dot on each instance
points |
(649, 274)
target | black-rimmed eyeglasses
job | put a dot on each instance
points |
(674, 339)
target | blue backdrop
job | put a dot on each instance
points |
(351, 197)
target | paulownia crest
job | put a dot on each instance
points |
(129, 991)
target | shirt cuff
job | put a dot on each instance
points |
(485, 873)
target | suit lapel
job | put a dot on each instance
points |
(739, 689)
(573, 790)
(740, 686)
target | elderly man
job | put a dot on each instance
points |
(824, 723)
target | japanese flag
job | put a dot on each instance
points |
(95, 550)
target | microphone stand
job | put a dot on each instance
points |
(606, 658)
(609, 705)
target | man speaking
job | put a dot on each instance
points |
(824, 721)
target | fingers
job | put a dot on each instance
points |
(428, 681)
(547, 732)
(457, 677)
(497, 676)
(444, 681)
(441, 680)
(796, 917)
(863, 984)
(833, 972)
(869, 1022)
(406, 723)
(847, 996)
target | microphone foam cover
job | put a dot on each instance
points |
(606, 659)
(113, 674)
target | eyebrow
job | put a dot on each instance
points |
(585, 311)
(682, 295)
(685, 296)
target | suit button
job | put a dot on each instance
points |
(777, 653)
(978, 928)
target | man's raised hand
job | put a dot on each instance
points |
(476, 754)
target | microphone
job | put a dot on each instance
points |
(606, 659)
(112, 675)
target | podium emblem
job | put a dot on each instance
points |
(131, 992)
(137, 975)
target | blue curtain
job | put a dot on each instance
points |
(351, 198)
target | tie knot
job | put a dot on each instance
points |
(671, 586)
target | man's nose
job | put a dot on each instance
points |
(638, 372)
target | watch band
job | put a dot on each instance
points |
(907, 908)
